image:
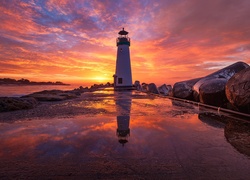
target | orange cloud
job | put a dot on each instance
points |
(73, 41)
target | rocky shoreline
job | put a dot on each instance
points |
(56, 103)
(32, 100)
(227, 88)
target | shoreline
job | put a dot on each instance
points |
(80, 136)
(63, 95)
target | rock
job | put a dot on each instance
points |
(238, 90)
(108, 84)
(165, 89)
(79, 91)
(15, 103)
(184, 89)
(225, 73)
(53, 95)
(100, 86)
(212, 92)
(137, 85)
(152, 88)
(144, 87)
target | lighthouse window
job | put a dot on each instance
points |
(119, 80)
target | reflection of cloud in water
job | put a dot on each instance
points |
(164, 138)
(56, 138)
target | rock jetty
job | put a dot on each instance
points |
(225, 73)
(227, 88)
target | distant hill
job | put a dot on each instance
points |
(5, 81)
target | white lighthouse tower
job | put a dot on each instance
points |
(123, 74)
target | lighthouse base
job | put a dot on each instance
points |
(124, 88)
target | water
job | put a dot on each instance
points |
(17, 91)
(128, 136)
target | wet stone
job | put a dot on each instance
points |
(152, 88)
(184, 89)
(238, 90)
(225, 73)
(212, 92)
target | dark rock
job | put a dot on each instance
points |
(15, 103)
(108, 84)
(100, 86)
(184, 89)
(212, 92)
(137, 85)
(165, 89)
(238, 90)
(225, 73)
(153, 89)
(53, 95)
(144, 87)
(79, 90)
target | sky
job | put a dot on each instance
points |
(74, 41)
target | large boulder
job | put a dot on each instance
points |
(212, 92)
(16, 103)
(225, 73)
(184, 89)
(152, 88)
(238, 90)
(165, 89)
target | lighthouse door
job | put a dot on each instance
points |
(119, 80)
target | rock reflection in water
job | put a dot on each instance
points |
(212, 119)
(123, 106)
(237, 132)
(167, 142)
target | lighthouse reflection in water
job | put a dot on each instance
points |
(123, 105)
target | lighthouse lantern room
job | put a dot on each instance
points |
(123, 74)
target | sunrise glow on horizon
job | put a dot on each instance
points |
(75, 41)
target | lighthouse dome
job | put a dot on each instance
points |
(123, 32)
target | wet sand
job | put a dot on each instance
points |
(78, 139)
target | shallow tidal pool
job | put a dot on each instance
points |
(136, 136)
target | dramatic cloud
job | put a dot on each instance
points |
(74, 41)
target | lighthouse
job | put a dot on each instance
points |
(123, 74)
